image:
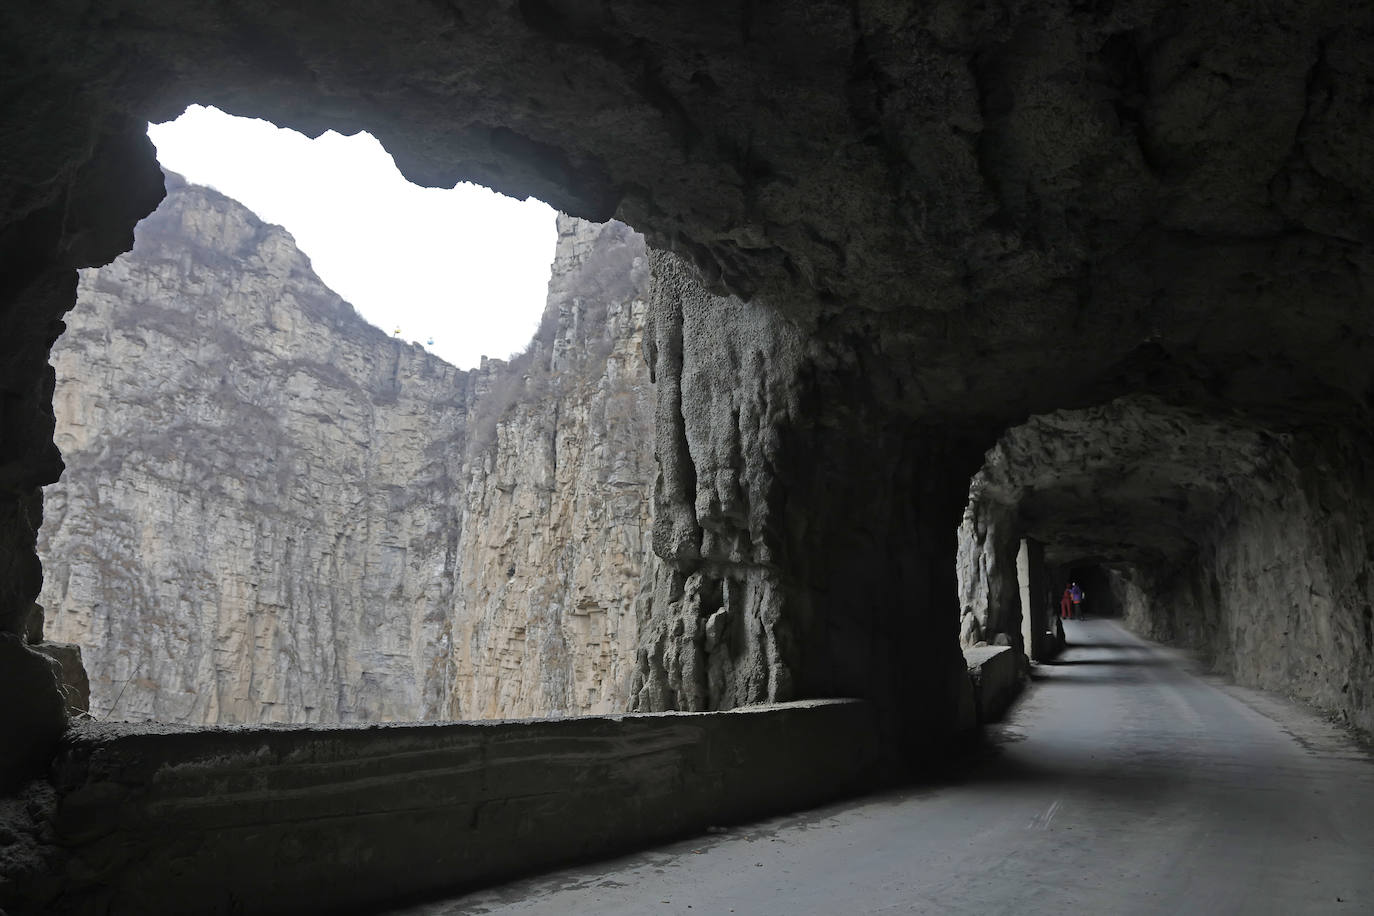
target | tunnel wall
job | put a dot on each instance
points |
(805, 528)
(48, 227)
(1281, 592)
(314, 820)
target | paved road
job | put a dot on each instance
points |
(1122, 783)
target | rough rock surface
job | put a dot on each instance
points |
(989, 596)
(780, 490)
(274, 512)
(34, 724)
(1280, 594)
(76, 685)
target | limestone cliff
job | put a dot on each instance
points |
(556, 511)
(275, 512)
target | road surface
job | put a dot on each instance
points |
(1123, 783)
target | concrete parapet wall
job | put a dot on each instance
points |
(996, 675)
(297, 820)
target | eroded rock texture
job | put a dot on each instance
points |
(989, 593)
(782, 488)
(274, 512)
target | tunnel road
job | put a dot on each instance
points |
(1123, 782)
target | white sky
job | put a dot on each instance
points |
(465, 267)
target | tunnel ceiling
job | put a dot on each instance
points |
(1135, 481)
(1002, 208)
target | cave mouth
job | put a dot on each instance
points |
(276, 511)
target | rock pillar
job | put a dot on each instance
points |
(1035, 621)
(990, 604)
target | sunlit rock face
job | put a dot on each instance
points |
(257, 489)
(275, 512)
(556, 498)
(1253, 547)
(989, 594)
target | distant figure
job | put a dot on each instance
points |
(1066, 604)
(1076, 594)
(397, 332)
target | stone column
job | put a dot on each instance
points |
(1030, 573)
(988, 595)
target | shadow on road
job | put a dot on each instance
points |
(1147, 661)
(1129, 647)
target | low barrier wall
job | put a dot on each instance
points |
(310, 820)
(996, 675)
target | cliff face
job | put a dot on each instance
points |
(556, 524)
(275, 512)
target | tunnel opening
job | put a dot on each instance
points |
(275, 510)
(1096, 581)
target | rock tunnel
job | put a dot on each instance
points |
(1202, 529)
(1112, 262)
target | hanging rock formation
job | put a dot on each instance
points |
(274, 512)
(781, 487)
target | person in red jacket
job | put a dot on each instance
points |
(1066, 604)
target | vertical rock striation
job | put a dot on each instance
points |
(274, 512)
(804, 523)
(556, 511)
(990, 602)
